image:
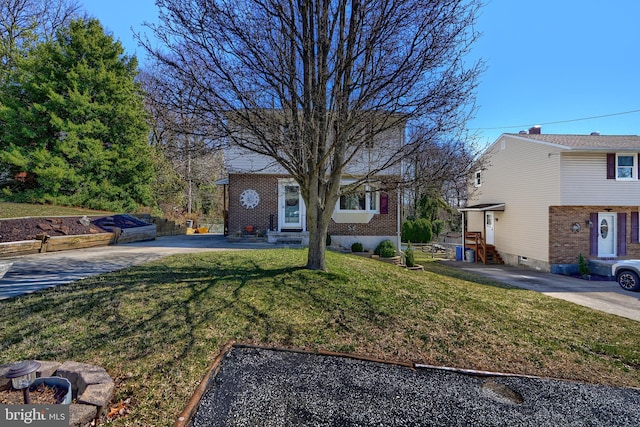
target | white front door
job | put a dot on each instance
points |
(606, 228)
(291, 212)
(489, 228)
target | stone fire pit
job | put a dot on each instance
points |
(92, 387)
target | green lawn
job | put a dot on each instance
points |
(19, 210)
(156, 328)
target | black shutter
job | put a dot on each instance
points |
(593, 234)
(622, 233)
(611, 165)
(635, 238)
(384, 203)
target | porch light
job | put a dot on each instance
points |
(22, 375)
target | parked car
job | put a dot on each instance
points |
(627, 274)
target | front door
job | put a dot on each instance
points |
(606, 234)
(291, 213)
(489, 228)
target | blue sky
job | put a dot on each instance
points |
(548, 61)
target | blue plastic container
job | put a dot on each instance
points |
(458, 253)
(60, 383)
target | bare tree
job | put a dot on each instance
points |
(185, 141)
(331, 73)
(26, 21)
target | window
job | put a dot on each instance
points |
(477, 179)
(625, 166)
(366, 199)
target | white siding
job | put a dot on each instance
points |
(385, 146)
(584, 182)
(525, 176)
(239, 160)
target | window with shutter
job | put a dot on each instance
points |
(611, 165)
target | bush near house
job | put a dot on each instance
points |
(357, 247)
(385, 249)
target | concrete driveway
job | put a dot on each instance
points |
(30, 273)
(605, 296)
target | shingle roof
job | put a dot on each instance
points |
(587, 142)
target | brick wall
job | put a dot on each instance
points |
(380, 225)
(267, 188)
(566, 245)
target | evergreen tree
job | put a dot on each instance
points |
(72, 124)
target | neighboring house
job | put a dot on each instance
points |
(263, 199)
(542, 200)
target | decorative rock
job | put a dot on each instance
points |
(4, 381)
(97, 394)
(501, 393)
(69, 370)
(47, 369)
(89, 375)
(81, 415)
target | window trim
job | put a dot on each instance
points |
(633, 167)
(477, 178)
(370, 192)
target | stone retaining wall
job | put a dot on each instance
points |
(92, 388)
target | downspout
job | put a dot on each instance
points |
(463, 240)
(399, 222)
(399, 203)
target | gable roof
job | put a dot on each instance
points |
(586, 142)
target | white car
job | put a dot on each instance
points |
(627, 274)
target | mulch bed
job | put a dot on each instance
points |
(18, 229)
(39, 395)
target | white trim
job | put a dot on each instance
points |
(477, 178)
(612, 231)
(369, 197)
(355, 217)
(634, 167)
(282, 183)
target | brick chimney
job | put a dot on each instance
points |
(536, 130)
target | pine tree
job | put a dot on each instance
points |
(73, 124)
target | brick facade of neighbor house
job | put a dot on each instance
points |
(565, 243)
(383, 224)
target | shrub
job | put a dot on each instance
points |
(357, 247)
(328, 242)
(583, 266)
(422, 230)
(408, 232)
(386, 249)
(409, 256)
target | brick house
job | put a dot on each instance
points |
(263, 199)
(542, 200)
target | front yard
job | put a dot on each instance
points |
(157, 327)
